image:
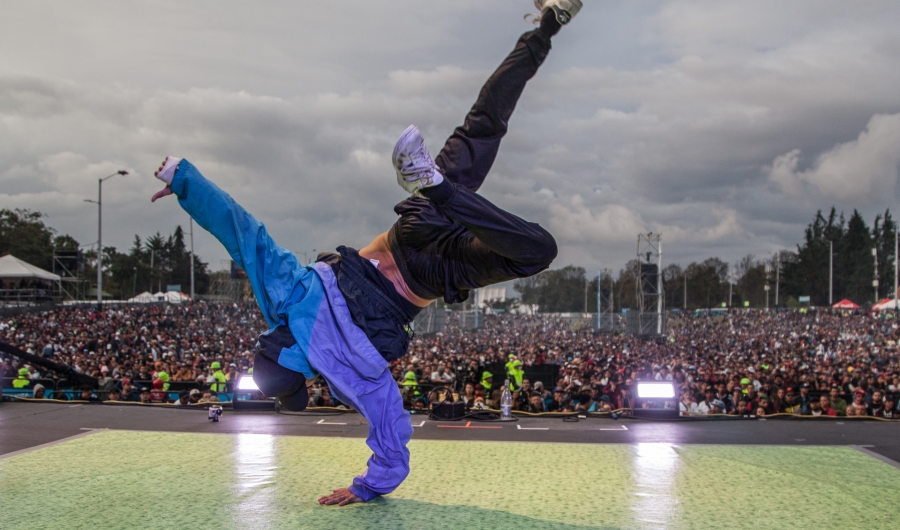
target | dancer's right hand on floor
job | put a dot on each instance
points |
(166, 173)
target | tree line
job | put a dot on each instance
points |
(149, 265)
(713, 282)
(156, 261)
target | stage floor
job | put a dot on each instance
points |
(266, 471)
(118, 479)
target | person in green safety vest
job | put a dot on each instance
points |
(745, 386)
(410, 387)
(509, 362)
(487, 381)
(23, 380)
(165, 379)
(218, 378)
(515, 374)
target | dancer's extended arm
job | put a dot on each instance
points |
(274, 272)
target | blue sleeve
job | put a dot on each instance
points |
(274, 272)
(380, 404)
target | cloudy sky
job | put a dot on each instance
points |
(721, 125)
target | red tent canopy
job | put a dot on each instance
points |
(845, 304)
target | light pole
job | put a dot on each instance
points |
(585, 295)
(875, 281)
(830, 273)
(777, 275)
(896, 264)
(730, 287)
(99, 203)
(192, 259)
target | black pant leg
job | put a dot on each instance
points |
(497, 231)
(470, 152)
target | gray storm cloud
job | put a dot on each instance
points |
(724, 126)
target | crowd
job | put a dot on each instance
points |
(205, 343)
(743, 362)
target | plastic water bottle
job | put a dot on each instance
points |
(506, 402)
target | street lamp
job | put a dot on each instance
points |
(99, 203)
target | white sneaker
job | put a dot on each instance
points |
(414, 165)
(565, 10)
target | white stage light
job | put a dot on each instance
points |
(655, 390)
(246, 382)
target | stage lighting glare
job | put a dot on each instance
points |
(655, 390)
(246, 382)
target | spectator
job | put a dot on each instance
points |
(441, 377)
(23, 380)
(876, 403)
(105, 383)
(804, 400)
(184, 398)
(38, 391)
(887, 409)
(558, 402)
(859, 403)
(114, 395)
(815, 409)
(718, 407)
(87, 394)
(765, 404)
(535, 404)
(837, 402)
(586, 404)
(209, 397)
(789, 405)
(217, 379)
(194, 396)
(741, 408)
(825, 406)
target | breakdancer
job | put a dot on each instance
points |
(347, 316)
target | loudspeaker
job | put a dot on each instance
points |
(649, 278)
(448, 411)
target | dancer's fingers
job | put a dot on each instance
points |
(161, 193)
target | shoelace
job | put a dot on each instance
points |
(414, 173)
(534, 18)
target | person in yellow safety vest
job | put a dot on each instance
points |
(509, 363)
(218, 378)
(515, 374)
(23, 380)
(487, 381)
(165, 379)
(411, 387)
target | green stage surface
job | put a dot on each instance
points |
(121, 479)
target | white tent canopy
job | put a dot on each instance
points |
(13, 267)
(143, 298)
(887, 303)
(172, 297)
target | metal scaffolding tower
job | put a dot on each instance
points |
(649, 319)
